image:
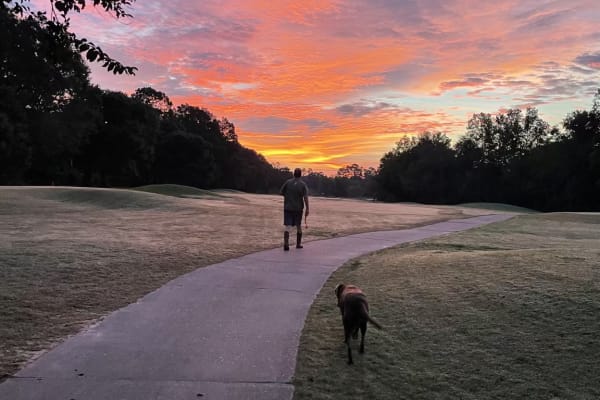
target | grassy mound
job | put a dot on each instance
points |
(499, 207)
(505, 311)
(102, 198)
(178, 191)
(233, 191)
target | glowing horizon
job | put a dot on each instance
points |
(323, 84)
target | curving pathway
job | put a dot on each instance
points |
(226, 331)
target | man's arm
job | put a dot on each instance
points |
(282, 190)
(306, 204)
(306, 198)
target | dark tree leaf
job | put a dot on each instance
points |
(92, 55)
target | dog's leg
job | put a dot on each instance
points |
(349, 352)
(347, 334)
(363, 331)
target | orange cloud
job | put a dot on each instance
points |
(324, 83)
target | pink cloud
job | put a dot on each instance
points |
(333, 72)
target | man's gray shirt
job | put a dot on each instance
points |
(293, 191)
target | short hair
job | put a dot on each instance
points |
(297, 173)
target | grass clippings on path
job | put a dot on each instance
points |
(69, 256)
(506, 311)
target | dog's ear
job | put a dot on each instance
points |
(338, 289)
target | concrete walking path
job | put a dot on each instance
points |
(226, 331)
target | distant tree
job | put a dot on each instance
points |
(122, 151)
(562, 174)
(355, 181)
(277, 175)
(59, 140)
(491, 153)
(154, 98)
(218, 160)
(584, 126)
(419, 169)
(318, 183)
(244, 169)
(199, 121)
(185, 158)
(351, 171)
(477, 178)
(539, 179)
(228, 130)
(15, 151)
(502, 137)
(581, 144)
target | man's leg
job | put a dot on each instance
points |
(288, 222)
(299, 236)
(286, 238)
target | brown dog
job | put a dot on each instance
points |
(355, 314)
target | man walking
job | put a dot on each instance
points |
(295, 196)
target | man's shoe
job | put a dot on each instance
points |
(298, 241)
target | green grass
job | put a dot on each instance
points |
(506, 311)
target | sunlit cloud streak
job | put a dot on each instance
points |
(322, 84)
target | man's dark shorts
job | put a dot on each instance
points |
(292, 218)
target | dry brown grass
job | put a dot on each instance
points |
(70, 255)
(505, 311)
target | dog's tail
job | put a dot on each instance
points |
(375, 323)
(371, 320)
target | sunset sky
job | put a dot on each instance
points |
(321, 84)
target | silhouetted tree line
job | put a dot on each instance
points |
(58, 129)
(513, 157)
(349, 181)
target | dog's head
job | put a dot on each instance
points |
(339, 288)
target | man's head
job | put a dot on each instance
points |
(297, 173)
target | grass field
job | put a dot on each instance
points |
(506, 311)
(69, 256)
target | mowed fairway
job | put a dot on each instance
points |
(506, 311)
(69, 256)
